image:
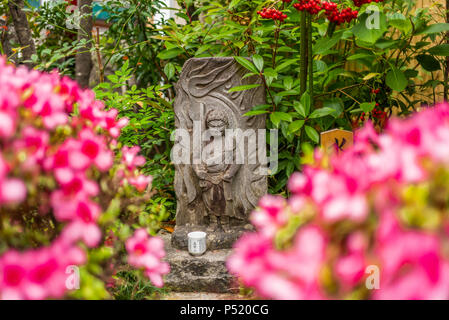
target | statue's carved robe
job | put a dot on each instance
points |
(225, 189)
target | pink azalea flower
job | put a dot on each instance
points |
(13, 272)
(350, 269)
(249, 258)
(88, 232)
(12, 191)
(70, 207)
(146, 252)
(131, 158)
(111, 124)
(94, 150)
(38, 274)
(271, 215)
(7, 124)
(140, 182)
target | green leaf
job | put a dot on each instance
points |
(371, 75)
(306, 102)
(321, 112)
(277, 117)
(244, 87)
(428, 62)
(258, 62)
(336, 104)
(269, 72)
(288, 83)
(360, 56)
(255, 113)
(233, 3)
(435, 28)
(440, 50)
(286, 64)
(246, 64)
(367, 107)
(312, 134)
(366, 29)
(400, 22)
(170, 54)
(324, 44)
(169, 70)
(299, 107)
(295, 126)
(396, 79)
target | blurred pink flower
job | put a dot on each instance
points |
(38, 274)
(146, 252)
(12, 191)
(353, 209)
(130, 157)
(271, 215)
(141, 182)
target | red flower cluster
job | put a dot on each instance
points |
(360, 3)
(331, 11)
(272, 14)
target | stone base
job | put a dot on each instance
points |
(215, 239)
(206, 273)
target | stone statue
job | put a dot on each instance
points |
(216, 191)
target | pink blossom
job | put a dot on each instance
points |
(356, 212)
(140, 182)
(111, 124)
(37, 274)
(70, 207)
(12, 191)
(271, 215)
(7, 124)
(146, 252)
(350, 269)
(130, 157)
(88, 232)
(91, 150)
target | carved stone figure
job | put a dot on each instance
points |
(216, 191)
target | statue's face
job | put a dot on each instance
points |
(217, 125)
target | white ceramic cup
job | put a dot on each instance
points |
(197, 243)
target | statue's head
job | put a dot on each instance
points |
(217, 120)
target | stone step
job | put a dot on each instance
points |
(202, 296)
(206, 273)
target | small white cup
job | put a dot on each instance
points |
(197, 243)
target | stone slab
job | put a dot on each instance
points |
(203, 296)
(206, 273)
(217, 239)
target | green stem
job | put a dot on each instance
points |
(303, 55)
(310, 57)
(331, 29)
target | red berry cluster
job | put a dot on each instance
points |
(378, 114)
(375, 114)
(272, 14)
(360, 3)
(375, 91)
(311, 6)
(330, 9)
(339, 17)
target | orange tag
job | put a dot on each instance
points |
(336, 140)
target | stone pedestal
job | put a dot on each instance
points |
(216, 239)
(206, 273)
